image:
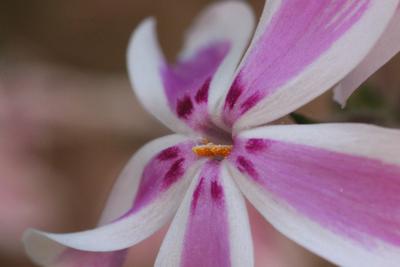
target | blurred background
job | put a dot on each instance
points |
(69, 120)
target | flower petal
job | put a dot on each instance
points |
(211, 227)
(387, 46)
(333, 188)
(178, 95)
(145, 197)
(301, 49)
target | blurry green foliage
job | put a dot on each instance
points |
(367, 97)
(371, 105)
(301, 119)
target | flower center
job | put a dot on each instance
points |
(209, 149)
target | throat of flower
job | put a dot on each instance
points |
(212, 150)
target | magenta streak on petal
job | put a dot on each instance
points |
(174, 173)
(351, 195)
(298, 34)
(77, 258)
(196, 193)
(234, 93)
(206, 241)
(169, 153)
(187, 84)
(250, 102)
(216, 191)
(184, 107)
(255, 145)
(202, 94)
(161, 172)
(246, 166)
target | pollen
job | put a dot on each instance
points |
(212, 150)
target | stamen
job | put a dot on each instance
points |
(212, 150)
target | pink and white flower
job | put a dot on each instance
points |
(333, 188)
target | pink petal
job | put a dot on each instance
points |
(301, 49)
(178, 94)
(386, 48)
(144, 198)
(187, 86)
(335, 189)
(211, 227)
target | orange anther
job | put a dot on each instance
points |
(212, 150)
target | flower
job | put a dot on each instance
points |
(333, 188)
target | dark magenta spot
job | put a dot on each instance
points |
(196, 194)
(234, 92)
(250, 102)
(184, 107)
(256, 145)
(202, 94)
(169, 153)
(174, 173)
(245, 166)
(216, 190)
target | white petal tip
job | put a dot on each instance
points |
(40, 248)
(339, 97)
(140, 34)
